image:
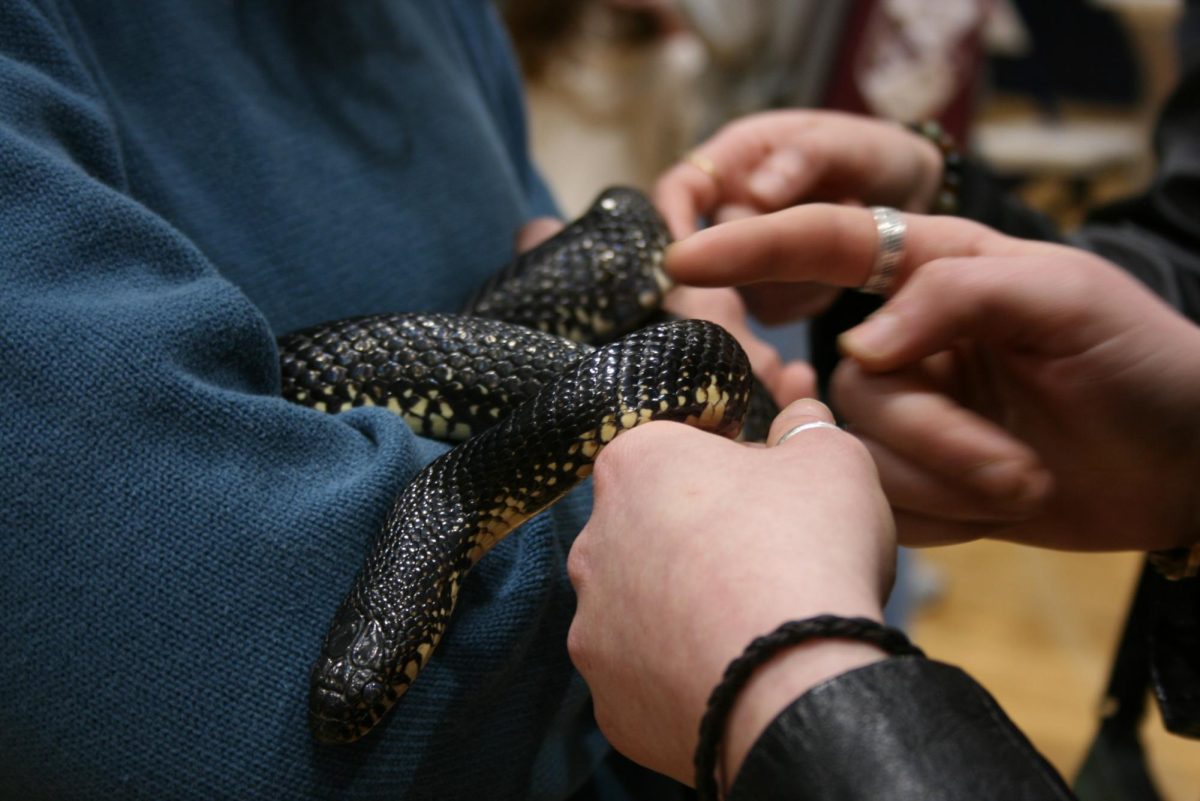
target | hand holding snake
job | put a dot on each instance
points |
(534, 407)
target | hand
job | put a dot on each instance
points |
(1048, 348)
(696, 545)
(776, 259)
(769, 161)
(766, 162)
(1017, 389)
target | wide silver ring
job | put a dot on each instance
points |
(892, 229)
(791, 432)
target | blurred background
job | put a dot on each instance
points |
(1058, 96)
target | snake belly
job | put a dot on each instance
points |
(464, 502)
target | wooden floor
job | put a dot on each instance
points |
(1037, 629)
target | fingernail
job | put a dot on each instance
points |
(768, 185)
(873, 338)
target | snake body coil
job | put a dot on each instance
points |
(534, 410)
(459, 506)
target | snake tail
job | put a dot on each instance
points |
(467, 500)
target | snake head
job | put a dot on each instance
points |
(350, 690)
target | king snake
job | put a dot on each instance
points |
(550, 361)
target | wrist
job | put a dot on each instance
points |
(770, 673)
(778, 683)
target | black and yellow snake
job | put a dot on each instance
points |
(531, 409)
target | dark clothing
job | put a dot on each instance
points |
(904, 729)
(1156, 235)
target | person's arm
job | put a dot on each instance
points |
(696, 546)
(901, 729)
(1156, 236)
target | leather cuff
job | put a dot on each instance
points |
(904, 728)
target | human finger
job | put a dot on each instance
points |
(687, 192)
(915, 530)
(779, 303)
(818, 242)
(804, 415)
(955, 447)
(724, 306)
(536, 231)
(715, 173)
(1051, 299)
(794, 381)
(729, 212)
(915, 489)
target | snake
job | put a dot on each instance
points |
(553, 358)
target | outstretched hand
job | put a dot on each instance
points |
(1054, 350)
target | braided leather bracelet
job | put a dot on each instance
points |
(795, 632)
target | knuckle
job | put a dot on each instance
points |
(577, 648)
(578, 562)
(628, 447)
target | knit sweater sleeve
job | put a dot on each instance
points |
(176, 536)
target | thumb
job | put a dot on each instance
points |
(801, 419)
(1045, 302)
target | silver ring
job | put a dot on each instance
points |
(804, 427)
(892, 228)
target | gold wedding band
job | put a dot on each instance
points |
(704, 164)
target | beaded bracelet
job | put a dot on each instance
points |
(761, 650)
(946, 199)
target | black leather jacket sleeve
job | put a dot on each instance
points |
(1155, 235)
(898, 730)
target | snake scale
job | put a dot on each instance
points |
(530, 406)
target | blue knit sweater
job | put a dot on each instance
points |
(179, 182)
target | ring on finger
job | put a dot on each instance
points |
(892, 230)
(704, 164)
(793, 431)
